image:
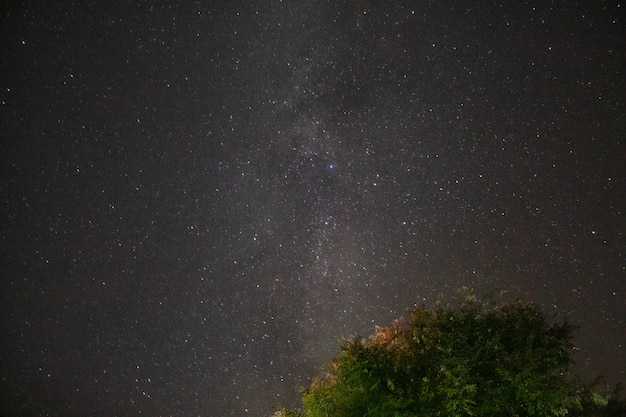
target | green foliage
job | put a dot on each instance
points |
(283, 412)
(473, 360)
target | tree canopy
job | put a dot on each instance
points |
(477, 359)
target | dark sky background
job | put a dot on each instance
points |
(199, 201)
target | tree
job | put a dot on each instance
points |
(283, 412)
(476, 359)
(591, 404)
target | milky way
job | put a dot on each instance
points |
(200, 202)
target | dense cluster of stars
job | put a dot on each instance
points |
(200, 201)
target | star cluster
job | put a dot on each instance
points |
(199, 201)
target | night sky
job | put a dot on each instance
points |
(201, 200)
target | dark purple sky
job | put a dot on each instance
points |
(200, 201)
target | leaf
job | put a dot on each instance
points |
(443, 360)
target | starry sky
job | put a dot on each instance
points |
(201, 200)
